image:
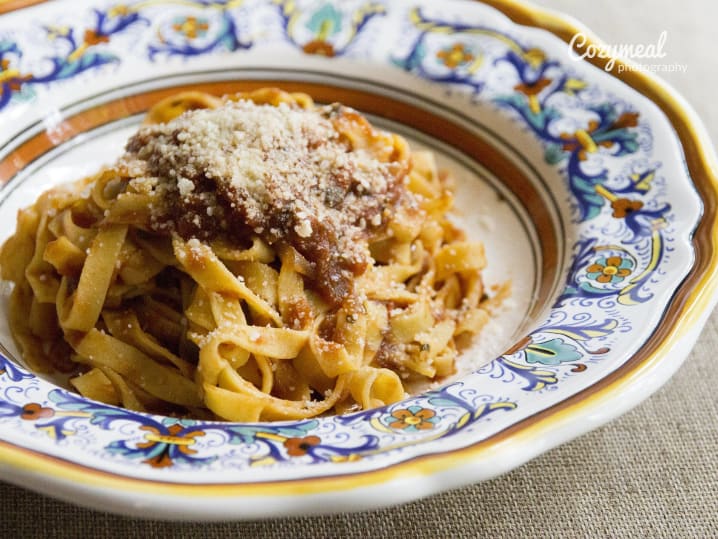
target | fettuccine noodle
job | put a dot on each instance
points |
(160, 288)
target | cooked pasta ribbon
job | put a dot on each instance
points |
(237, 326)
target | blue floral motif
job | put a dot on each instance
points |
(593, 275)
(611, 270)
(74, 54)
(555, 344)
(12, 81)
(534, 378)
(211, 27)
(441, 52)
(552, 352)
(164, 442)
(169, 442)
(327, 20)
(202, 27)
(56, 425)
(8, 409)
(412, 419)
(607, 273)
(540, 79)
(10, 370)
(326, 31)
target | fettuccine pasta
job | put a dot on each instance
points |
(249, 258)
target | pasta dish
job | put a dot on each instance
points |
(248, 258)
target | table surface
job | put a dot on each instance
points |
(651, 473)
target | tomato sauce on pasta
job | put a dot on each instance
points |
(254, 257)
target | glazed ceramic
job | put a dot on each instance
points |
(592, 191)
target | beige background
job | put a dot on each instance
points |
(652, 473)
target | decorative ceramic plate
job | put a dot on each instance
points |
(595, 194)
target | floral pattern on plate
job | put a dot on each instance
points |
(599, 144)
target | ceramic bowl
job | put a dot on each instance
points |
(592, 186)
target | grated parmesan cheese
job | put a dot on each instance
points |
(287, 173)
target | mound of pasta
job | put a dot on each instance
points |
(252, 257)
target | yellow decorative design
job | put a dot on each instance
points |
(586, 333)
(624, 297)
(352, 457)
(9, 74)
(54, 32)
(266, 461)
(271, 436)
(124, 9)
(437, 28)
(571, 86)
(534, 104)
(191, 27)
(643, 182)
(484, 408)
(166, 439)
(378, 425)
(586, 141)
(605, 193)
(52, 433)
(534, 57)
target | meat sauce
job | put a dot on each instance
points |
(322, 180)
